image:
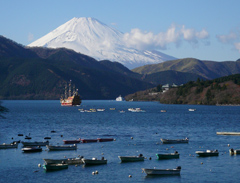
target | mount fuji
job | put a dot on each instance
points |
(95, 39)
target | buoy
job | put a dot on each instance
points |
(96, 172)
(131, 137)
(130, 176)
(39, 165)
(93, 173)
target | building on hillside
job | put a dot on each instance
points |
(166, 87)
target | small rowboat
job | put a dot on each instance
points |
(61, 147)
(69, 161)
(94, 161)
(104, 139)
(176, 141)
(8, 146)
(55, 161)
(32, 149)
(35, 143)
(232, 151)
(174, 155)
(59, 166)
(154, 171)
(89, 140)
(131, 158)
(207, 153)
(72, 141)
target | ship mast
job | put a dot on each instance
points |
(73, 89)
(65, 90)
(69, 92)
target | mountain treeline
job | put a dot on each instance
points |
(221, 91)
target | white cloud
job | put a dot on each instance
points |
(229, 38)
(175, 34)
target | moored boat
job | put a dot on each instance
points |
(55, 161)
(69, 161)
(32, 149)
(89, 140)
(72, 141)
(175, 141)
(73, 161)
(59, 166)
(207, 153)
(35, 143)
(228, 133)
(119, 98)
(104, 139)
(174, 155)
(191, 110)
(61, 147)
(94, 161)
(155, 171)
(131, 158)
(232, 151)
(8, 146)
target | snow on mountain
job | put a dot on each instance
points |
(93, 38)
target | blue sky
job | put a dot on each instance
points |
(203, 29)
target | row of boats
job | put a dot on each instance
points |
(121, 111)
(46, 143)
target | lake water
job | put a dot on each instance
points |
(135, 133)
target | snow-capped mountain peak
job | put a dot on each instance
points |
(94, 38)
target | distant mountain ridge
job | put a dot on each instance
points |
(94, 38)
(205, 69)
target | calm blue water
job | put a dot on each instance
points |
(40, 117)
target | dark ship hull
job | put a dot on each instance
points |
(71, 101)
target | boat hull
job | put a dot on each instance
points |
(94, 162)
(236, 151)
(35, 143)
(105, 139)
(52, 167)
(71, 141)
(71, 101)
(167, 156)
(228, 133)
(89, 140)
(8, 146)
(61, 148)
(31, 149)
(206, 154)
(161, 171)
(130, 158)
(177, 141)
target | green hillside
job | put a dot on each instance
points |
(221, 91)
